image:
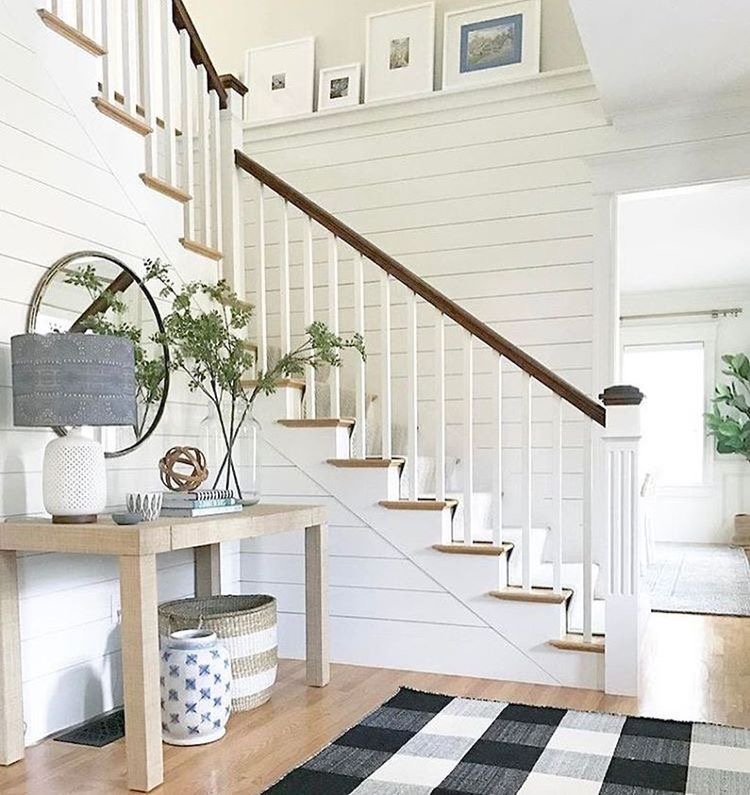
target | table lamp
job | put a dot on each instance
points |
(73, 380)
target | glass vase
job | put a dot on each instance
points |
(233, 457)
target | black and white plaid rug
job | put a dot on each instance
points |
(420, 743)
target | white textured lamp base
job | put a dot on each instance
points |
(74, 479)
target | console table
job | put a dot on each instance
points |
(136, 548)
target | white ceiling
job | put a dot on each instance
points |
(687, 238)
(650, 53)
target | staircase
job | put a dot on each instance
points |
(512, 490)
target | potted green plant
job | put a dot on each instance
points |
(729, 424)
(206, 332)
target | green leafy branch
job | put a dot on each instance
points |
(729, 421)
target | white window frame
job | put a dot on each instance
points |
(655, 332)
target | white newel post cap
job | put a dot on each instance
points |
(623, 404)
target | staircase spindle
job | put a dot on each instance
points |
(361, 372)
(129, 49)
(55, 7)
(214, 124)
(412, 421)
(440, 409)
(309, 306)
(468, 433)
(80, 16)
(108, 92)
(204, 153)
(333, 319)
(385, 366)
(557, 494)
(284, 298)
(525, 480)
(187, 96)
(497, 451)
(261, 301)
(588, 540)
(146, 75)
(170, 144)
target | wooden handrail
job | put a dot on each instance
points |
(411, 281)
(198, 51)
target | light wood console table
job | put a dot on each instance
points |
(136, 548)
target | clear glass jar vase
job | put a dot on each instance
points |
(232, 452)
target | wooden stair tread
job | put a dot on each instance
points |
(289, 383)
(514, 593)
(366, 463)
(121, 115)
(418, 505)
(474, 549)
(165, 188)
(201, 248)
(53, 22)
(120, 99)
(323, 422)
(577, 643)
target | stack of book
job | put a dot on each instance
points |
(202, 502)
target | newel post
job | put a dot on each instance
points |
(231, 199)
(627, 608)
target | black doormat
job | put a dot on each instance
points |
(97, 732)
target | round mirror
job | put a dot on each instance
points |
(94, 293)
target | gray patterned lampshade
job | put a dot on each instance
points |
(73, 379)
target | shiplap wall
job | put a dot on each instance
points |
(58, 196)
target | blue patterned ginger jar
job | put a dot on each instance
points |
(196, 688)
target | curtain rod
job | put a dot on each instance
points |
(714, 313)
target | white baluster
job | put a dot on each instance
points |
(333, 318)
(361, 380)
(557, 486)
(261, 299)
(214, 122)
(80, 17)
(108, 92)
(187, 97)
(440, 408)
(497, 451)
(412, 410)
(129, 49)
(385, 365)
(525, 480)
(468, 430)
(588, 537)
(204, 155)
(285, 308)
(146, 75)
(170, 146)
(55, 7)
(309, 306)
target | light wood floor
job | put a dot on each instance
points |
(698, 669)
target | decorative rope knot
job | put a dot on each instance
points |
(177, 479)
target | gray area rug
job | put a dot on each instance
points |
(700, 578)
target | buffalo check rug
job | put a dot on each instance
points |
(419, 743)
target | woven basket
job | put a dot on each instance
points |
(246, 626)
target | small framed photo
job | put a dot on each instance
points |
(339, 86)
(400, 58)
(280, 79)
(491, 43)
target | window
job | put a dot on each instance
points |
(672, 376)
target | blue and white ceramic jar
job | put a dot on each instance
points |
(196, 688)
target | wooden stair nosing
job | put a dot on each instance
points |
(122, 116)
(120, 99)
(514, 593)
(288, 383)
(577, 643)
(366, 463)
(418, 505)
(474, 549)
(201, 248)
(53, 22)
(165, 188)
(323, 422)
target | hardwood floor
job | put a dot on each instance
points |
(697, 668)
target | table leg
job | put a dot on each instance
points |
(316, 605)
(140, 672)
(11, 694)
(207, 570)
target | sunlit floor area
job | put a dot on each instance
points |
(696, 668)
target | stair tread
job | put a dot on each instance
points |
(291, 383)
(515, 593)
(572, 642)
(122, 116)
(366, 463)
(165, 188)
(53, 22)
(323, 422)
(201, 248)
(418, 505)
(474, 549)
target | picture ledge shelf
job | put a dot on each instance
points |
(553, 80)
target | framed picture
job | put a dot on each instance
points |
(491, 44)
(339, 86)
(280, 79)
(400, 58)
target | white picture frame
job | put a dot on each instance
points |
(400, 53)
(280, 80)
(339, 87)
(491, 43)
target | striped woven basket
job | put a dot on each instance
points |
(246, 626)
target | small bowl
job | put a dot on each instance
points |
(126, 518)
(146, 504)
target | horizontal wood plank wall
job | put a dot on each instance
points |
(57, 196)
